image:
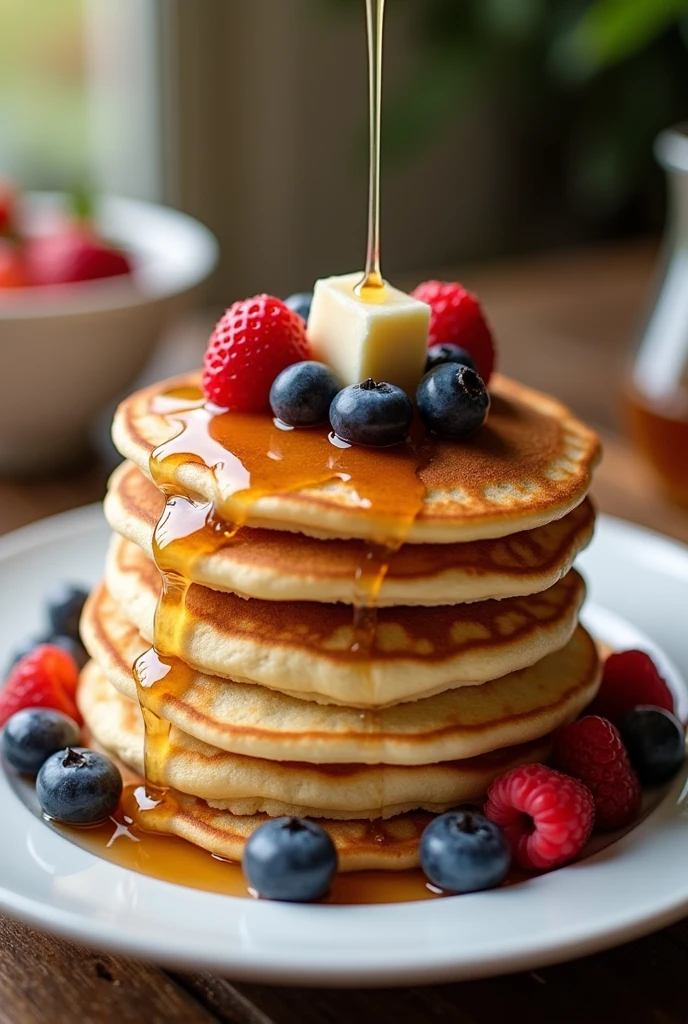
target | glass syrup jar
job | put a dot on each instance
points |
(656, 396)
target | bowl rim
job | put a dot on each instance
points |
(185, 255)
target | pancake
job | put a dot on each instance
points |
(274, 565)
(390, 845)
(252, 720)
(305, 648)
(529, 465)
(251, 785)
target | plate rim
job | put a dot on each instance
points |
(254, 965)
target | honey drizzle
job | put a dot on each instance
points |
(250, 457)
(372, 286)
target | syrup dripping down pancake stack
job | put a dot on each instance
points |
(363, 636)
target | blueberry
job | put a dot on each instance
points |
(462, 851)
(79, 786)
(290, 859)
(300, 303)
(32, 735)
(440, 354)
(71, 646)
(453, 401)
(655, 742)
(302, 394)
(372, 414)
(64, 604)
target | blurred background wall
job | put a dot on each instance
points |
(510, 125)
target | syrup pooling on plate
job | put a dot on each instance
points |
(250, 457)
(123, 840)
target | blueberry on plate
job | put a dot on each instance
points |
(73, 647)
(65, 603)
(32, 735)
(373, 414)
(440, 354)
(290, 859)
(655, 742)
(302, 394)
(462, 851)
(300, 303)
(78, 786)
(453, 401)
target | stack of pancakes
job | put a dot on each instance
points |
(327, 659)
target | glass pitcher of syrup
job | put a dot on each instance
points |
(657, 394)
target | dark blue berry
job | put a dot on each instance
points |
(453, 401)
(290, 859)
(32, 735)
(440, 354)
(462, 851)
(372, 414)
(655, 742)
(79, 786)
(300, 303)
(64, 604)
(302, 394)
(71, 646)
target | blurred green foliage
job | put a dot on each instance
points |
(588, 83)
(43, 101)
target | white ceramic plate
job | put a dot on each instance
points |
(631, 887)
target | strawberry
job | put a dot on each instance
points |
(45, 678)
(457, 319)
(630, 678)
(254, 341)
(591, 750)
(12, 274)
(7, 207)
(70, 255)
(547, 816)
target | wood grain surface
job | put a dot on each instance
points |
(566, 324)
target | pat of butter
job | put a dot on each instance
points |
(386, 339)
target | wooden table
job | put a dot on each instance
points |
(565, 324)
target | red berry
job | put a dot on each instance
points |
(630, 678)
(254, 341)
(547, 816)
(45, 678)
(71, 255)
(457, 319)
(12, 274)
(591, 750)
(7, 207)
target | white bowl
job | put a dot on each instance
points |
(66, 350)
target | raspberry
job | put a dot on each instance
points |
(45, 678)
(253, 342)
(547, 816)
(457, 319)
(630, 678)
(591, 750)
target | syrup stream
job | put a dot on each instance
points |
(372, 287)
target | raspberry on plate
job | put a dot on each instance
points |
(46, 678)
(255, 340)
(591, 750)
(630, 678)
(547, 816)
(457, 319)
